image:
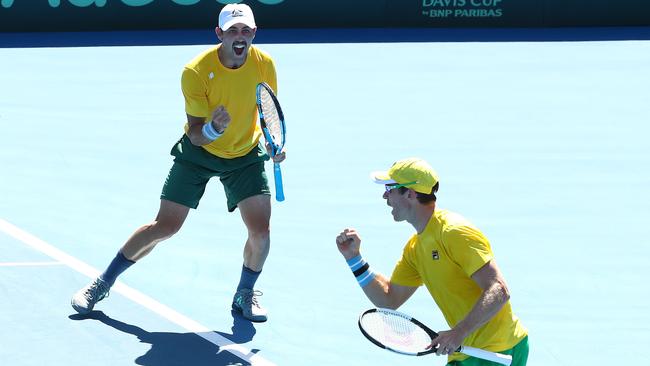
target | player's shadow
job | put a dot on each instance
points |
(181, 349)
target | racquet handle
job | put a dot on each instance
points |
(279, 191)
(486, 355)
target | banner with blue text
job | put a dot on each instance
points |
(103, 15)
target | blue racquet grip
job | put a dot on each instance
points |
(279, 191)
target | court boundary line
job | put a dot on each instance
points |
(134, 295)
(30, 264)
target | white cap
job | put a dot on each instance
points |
(236, 13)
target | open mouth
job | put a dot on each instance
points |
(239, 48)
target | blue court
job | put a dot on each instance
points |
(543, 145)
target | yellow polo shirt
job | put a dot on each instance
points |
(206, 84)
(443, 258)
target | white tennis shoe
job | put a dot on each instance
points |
(246, 302)
(85, 299)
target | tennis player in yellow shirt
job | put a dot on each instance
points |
(452, 258)
(222, 139)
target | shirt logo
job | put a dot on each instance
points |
(435, 255)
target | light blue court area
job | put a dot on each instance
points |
(543, 145)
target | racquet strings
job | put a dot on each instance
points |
(395, 332)
(271, 116)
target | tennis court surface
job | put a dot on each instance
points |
(543, 145)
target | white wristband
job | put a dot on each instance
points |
(209, 132)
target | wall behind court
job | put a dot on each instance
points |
(102, 15)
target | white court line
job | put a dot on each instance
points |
(29, 264)
(190, 325)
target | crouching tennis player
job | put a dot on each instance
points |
(452, 258)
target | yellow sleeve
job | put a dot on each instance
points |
(468, 247)
(272, 77)
(405, 273)
(194, 92)
(266, 68)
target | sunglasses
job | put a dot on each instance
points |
(390, 187)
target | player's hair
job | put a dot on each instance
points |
(423, 197)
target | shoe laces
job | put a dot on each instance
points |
(97, 290)
(250, 297)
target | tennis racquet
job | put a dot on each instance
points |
(272, 122)
(403, 334)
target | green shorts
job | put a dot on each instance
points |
(519, 355)
(193, 167)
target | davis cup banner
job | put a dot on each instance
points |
(104, 15)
